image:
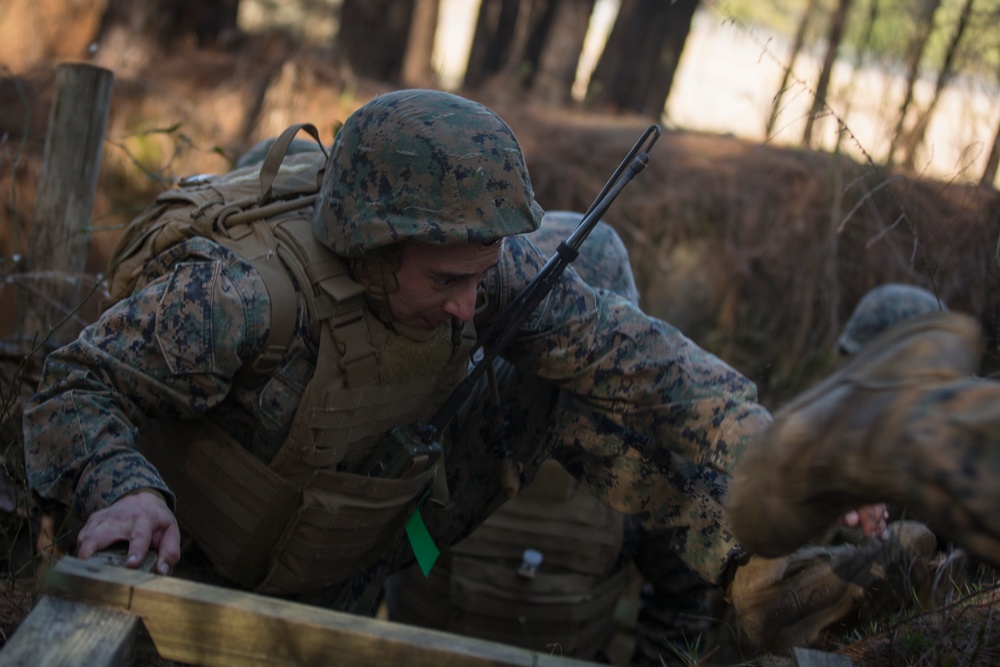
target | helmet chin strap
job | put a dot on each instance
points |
(377, 271)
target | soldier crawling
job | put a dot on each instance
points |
(180, 410)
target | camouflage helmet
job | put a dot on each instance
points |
(881, 308)
(426, 166)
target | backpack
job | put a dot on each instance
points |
(229, 208)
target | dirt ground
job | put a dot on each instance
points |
(758, 253)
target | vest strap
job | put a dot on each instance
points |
(258, 246)
(336, 299)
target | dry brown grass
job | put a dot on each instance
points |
(761, 253)
(963, 633)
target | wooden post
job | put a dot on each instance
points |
(60, 236)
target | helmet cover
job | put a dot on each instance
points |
(425, 166)
(881, 308)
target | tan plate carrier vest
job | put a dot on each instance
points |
(565, 606)
(298, 523)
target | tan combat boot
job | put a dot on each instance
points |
(904, 422)
(791, 601)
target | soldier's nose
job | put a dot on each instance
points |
(462, 305)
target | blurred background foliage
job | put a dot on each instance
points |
(844, 154)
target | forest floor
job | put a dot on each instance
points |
(730, 240)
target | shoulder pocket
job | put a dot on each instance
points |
(184, 318)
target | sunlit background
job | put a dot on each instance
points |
(732, 67)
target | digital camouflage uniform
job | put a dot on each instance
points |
(649, 421)
(679, 612)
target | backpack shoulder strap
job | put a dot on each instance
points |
(276, 154)
(257, 244)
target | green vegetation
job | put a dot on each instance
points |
(880, 30)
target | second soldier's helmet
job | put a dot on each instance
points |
(426, 166)
(881, 308)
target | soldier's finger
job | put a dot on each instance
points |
(138, 545)
(168, 549)
(94, 538)
(873, 522)
(851, 519)
(85, 548)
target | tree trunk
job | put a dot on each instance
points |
(915, 137)
(799, 41)
(206, 20)
(925, 24)
(560, 52)
(636, 68)
(993, 160)
(990, 172)
(166, 22)
(866, 41)
(374, 35)
(530, 29)
(495, 27)
(666, 56)
(834, 36)
(858, 70)
(512, 52)
(135, 32)
(417, 70)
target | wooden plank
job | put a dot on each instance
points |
(213, 626)
(67, 633)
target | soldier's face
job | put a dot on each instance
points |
(439, 282)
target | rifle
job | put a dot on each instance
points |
(408, 449)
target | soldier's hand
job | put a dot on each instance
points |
(142, 519)
(871, 519)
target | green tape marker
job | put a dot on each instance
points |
(422, 543)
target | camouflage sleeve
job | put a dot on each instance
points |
(169, 351)
(690, 414)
